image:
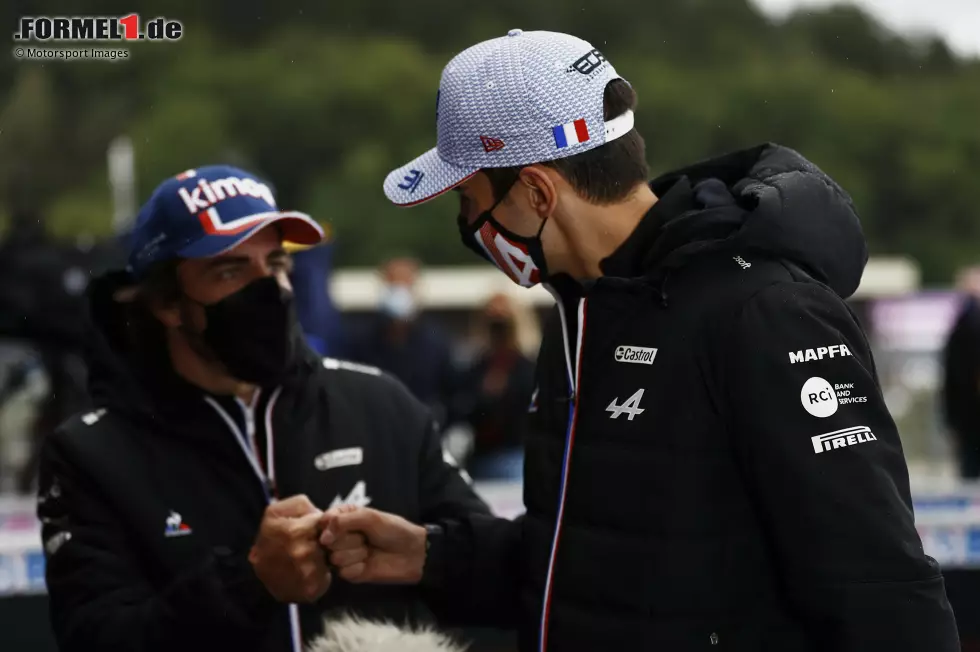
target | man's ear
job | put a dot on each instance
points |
(541, 185)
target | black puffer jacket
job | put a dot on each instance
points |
(711, 465)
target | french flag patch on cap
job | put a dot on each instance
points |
(571, 133)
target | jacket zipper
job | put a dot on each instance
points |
(575, 380)
(249, 410)
(267, 478)
(243, 442)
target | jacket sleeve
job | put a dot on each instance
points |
(823, 460)
(471, 573)
(100, 597)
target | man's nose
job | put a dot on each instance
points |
(283, 279)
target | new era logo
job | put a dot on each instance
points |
(491, 144)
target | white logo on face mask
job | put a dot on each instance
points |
(520, 263)
(511, 259)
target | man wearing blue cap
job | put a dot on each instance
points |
(182, 513)
(709, 461)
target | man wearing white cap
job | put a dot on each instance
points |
(710, 463)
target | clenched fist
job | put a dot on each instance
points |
(367, 545)
(286, 556)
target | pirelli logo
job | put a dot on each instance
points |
(842, 438)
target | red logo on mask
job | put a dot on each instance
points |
(511, 257)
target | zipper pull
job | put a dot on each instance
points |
(250, 422)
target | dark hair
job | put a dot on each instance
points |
(140, 330)
(604, 175)
(160, 282)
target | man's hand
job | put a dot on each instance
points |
(286, 555)
(371, 546)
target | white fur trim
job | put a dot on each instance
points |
(351, 634)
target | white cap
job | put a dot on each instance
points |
(519, 99)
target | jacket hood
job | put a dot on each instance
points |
(767, 199)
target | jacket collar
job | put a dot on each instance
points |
(631, 258)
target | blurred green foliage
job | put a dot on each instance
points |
(325, 98)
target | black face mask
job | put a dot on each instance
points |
(251, 332)
(520, 257)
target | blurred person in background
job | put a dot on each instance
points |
(412, 348)
(181, 513)
(696, 475)
(318, 316)
(43, 308)
(961, 378)
(356, 635)
(497, 389)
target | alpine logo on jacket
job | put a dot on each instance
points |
(357, 496)
(806, 355)
(630, 407)
(175, 526)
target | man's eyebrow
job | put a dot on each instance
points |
(226, 261)
(277, 253)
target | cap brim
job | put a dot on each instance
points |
(298, 228)
(424, 178)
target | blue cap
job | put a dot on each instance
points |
(207, 211)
